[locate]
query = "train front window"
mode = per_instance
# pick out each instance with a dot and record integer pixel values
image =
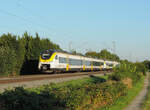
(46, 55)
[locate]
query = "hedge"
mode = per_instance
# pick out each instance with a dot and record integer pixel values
(19, 54)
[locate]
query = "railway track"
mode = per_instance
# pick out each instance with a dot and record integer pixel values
(30, 81)
(26, 78)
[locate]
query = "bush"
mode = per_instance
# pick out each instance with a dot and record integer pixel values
(51, 97)
(140, 67)
(147, 64)
(128, 70)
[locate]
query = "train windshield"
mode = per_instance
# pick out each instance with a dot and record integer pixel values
(46, 55)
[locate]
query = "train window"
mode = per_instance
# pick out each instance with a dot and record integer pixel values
(97, 63)
(81, 62)
(101, 63)
(109, 64)
(56, 57)
(87, 63)
(46, 54)
(62, 60)
(75, 62)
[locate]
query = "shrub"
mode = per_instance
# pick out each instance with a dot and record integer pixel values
(61, 98)
(140, 67)
(128, 70)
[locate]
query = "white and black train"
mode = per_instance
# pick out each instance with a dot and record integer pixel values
(60, 61)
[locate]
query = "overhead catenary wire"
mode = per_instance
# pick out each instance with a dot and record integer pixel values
(42, 25)
(42, 19)
(23, 19)
(16, 16)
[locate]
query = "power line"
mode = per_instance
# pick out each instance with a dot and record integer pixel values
(52, 32)
(38, 16)
(28, 10)
(21, 18)
(14, 15)
(24, 19)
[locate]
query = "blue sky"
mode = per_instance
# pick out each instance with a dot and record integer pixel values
(85, 24)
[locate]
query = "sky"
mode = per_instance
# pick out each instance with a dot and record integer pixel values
(120, 26)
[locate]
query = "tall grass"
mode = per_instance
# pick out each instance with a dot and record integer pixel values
(123, 101)
(127, 70)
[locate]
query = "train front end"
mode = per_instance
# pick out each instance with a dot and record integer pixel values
(45, 60)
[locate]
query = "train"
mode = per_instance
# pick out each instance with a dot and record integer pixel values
(54, 61)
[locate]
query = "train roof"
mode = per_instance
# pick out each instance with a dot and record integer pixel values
(65, 52)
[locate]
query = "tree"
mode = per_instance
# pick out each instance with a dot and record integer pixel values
(147, 64)
(92, 54)
(33, 47)
(8, 61)
(103, 54)
(9, 50)
(21, 54)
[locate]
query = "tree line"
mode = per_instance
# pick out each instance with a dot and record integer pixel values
(106, 55)
(103, 54)
(20, 54)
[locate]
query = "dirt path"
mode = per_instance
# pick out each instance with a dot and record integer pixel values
(136, 103)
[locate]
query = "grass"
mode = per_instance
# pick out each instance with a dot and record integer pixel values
(146, 102)
(83, 81)
(123, 101)
(76, 82)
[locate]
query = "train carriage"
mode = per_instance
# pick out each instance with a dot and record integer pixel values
(59, 61)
